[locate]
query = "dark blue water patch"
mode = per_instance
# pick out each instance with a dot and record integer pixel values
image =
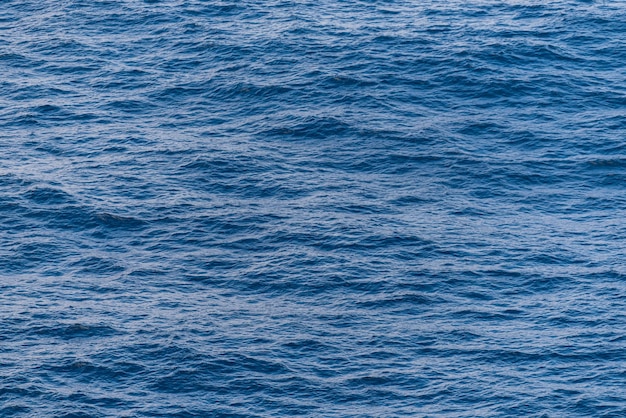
(77, 330)
(47, 196)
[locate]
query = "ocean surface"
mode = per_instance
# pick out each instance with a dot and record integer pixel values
(312, 208)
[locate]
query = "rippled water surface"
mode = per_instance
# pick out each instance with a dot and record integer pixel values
(325, 209)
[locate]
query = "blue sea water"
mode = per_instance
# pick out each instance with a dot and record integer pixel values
(325, 209)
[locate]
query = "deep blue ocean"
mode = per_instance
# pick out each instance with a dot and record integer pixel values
(320, 209)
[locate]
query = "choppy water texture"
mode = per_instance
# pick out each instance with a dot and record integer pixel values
(329, 208)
